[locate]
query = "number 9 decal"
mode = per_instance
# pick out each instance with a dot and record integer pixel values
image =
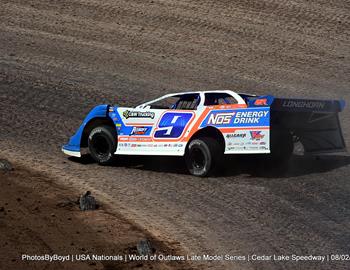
(172, 125)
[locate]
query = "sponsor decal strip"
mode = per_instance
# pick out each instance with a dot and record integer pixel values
(138, 124)
(238, 118)
(134, 138)
(304, 104)
(138, 114)
(227, 106)
(226, 130)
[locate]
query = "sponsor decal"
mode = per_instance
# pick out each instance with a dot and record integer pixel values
(138, 114)
(239, 118)
(249, 117)
(236, 135)
(260, 102)
(172, 125)
(220, 118)
(236, 148)
(303, 104)
(138, 131)
(256, 135)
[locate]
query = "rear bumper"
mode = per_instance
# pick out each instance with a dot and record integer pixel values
(71, 151)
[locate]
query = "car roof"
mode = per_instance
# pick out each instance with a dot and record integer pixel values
(232, 93)
(209, 91)
(206, 91)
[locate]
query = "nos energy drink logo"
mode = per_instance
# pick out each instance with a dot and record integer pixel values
(249, 117)
(172, 125)
(220, 118)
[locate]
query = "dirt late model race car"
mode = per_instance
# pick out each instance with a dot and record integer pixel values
(204, 126)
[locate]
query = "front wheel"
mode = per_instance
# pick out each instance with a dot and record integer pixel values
(203, 156)
(102, 144)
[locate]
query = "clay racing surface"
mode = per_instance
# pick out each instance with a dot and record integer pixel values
(58, 59)
(39, 217)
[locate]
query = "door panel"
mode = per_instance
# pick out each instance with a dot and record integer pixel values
(152, 131)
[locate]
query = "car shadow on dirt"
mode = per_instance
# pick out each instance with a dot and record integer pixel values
(232, 165)
(148, 163)
(297, 166)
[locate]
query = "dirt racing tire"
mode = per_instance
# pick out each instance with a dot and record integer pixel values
(203, 156)
(102, 143)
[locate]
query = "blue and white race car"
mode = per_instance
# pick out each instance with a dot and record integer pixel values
(204, 126)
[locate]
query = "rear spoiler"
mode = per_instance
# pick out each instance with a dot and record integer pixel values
(315, 122)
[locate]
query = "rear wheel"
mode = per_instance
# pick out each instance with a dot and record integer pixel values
(203, 156)
(102, 144)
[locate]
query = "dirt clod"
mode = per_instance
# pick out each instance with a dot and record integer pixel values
(5, 165)
(87, 202)
(144, 247)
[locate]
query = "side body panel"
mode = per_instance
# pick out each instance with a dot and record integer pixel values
(167, 132)
(152, 131)
(245, 130)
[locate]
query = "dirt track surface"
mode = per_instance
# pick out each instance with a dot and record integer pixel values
(58, 59)
(38, 217)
